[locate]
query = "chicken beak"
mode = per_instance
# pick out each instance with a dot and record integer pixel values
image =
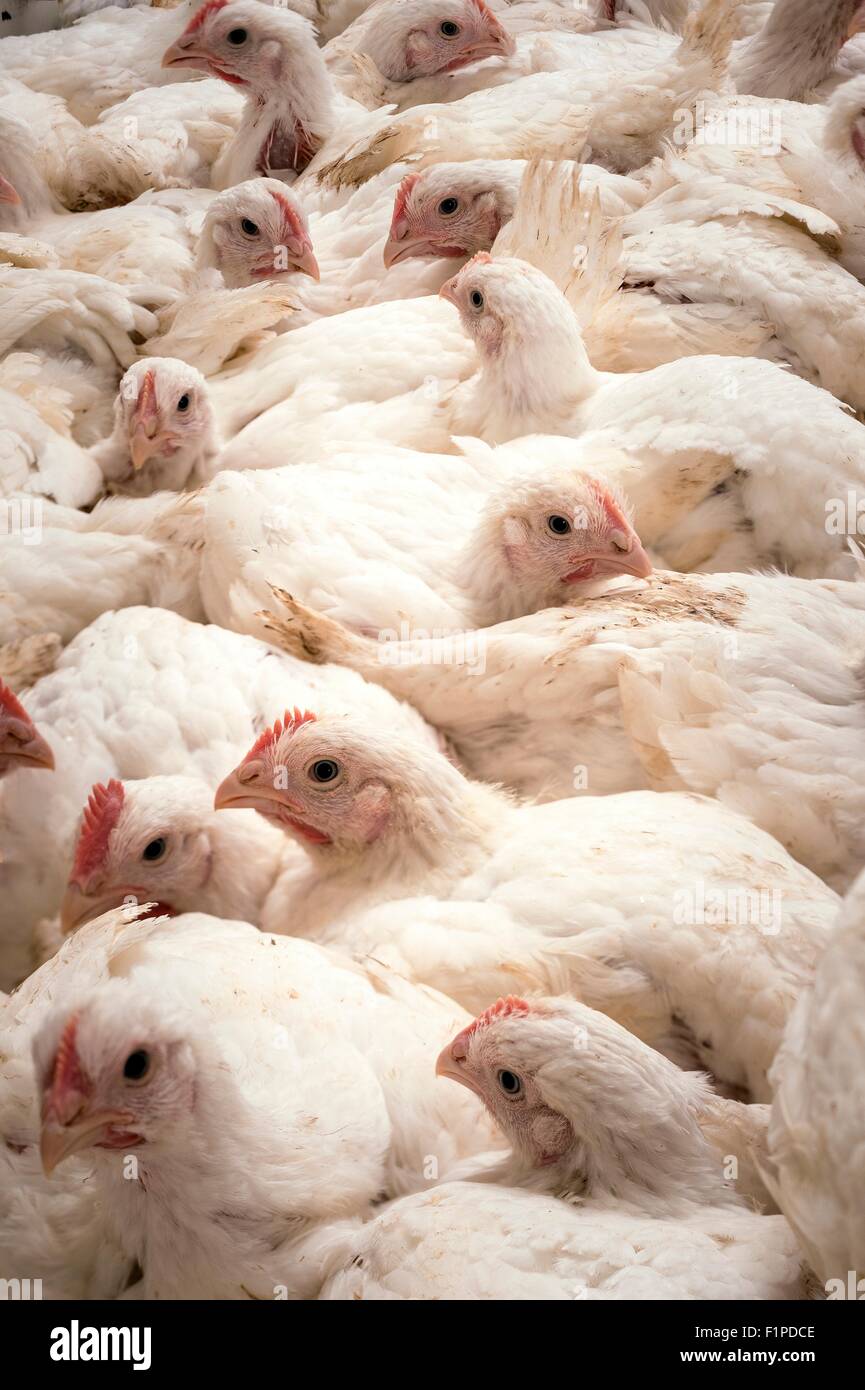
(8, 191)
(497, 44)
(60, 1141)
(626, 555)
(448, 291)
(593, 565)
(619, 551)
(636, 561)
(302, 257)
(297, 243)
(505, 43)
(404, 248)
(497, 35)
(34, 753)
(307, 264)
(187, 53)
(141, 448)
(448, 1066)
(184, 53)
(234, 795)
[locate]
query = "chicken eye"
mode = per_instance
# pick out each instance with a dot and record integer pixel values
(559, 525)
(247, 225)
(237, 37)
(448, 206)
(137, 1065)
(324, 770)
(183, 403)
(449, 29)
(510, 1083)
(155, 850)
(476, 299)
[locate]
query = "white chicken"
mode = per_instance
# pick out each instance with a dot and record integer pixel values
(455, 210)
(743, 687)
(164, 433)
(197, 695)
(564, 217)
(541, 47)
(455, 867)
(210, 1039)
(160, 840)
(130, 243)
(612, 1190)
(527, 1246)
(160, 138)
(188, 240)
(468, 562)
(84, 167)
(176, 133)
(53, 1227)
(779, 434)
(704, 242)
(408, 40)
(271, 53)
(551, 113)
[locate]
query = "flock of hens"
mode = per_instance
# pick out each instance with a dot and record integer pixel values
(432, 640)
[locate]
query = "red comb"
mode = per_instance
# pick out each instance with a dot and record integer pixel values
(204, 13)
(512, 1007)
(67, 1075)
(10, 702)
(289, 724)
(402, 196)
(101, 814)
(146, 402)
(480, 258)
(612, 510)
(288, 208)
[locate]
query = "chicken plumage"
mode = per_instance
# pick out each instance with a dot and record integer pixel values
(815, 1132)
(209, 1003)
(773, 430)
(711, 683)
(612, 1189)
(456, 870)
(200, 693)
(432, 500)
